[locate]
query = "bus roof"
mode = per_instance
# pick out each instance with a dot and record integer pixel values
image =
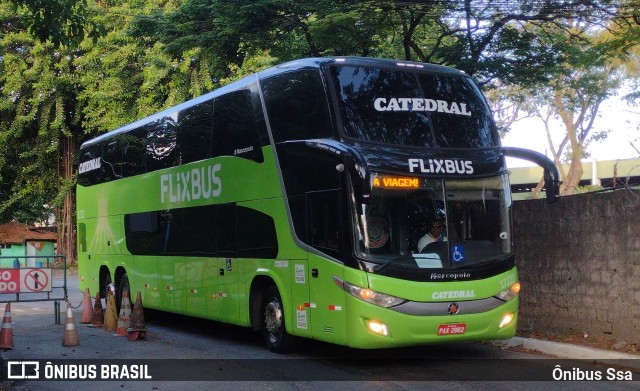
(319, 62)
(305, 63)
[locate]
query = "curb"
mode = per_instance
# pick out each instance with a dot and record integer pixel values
(570, 351)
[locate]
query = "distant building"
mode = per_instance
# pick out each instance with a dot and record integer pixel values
(19, 240)
(605, 174)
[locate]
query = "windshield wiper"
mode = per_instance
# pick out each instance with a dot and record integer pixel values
(377, 268)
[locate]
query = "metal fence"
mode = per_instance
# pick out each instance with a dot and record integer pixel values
(34, 278)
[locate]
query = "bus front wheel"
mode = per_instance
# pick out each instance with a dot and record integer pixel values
(274, 332)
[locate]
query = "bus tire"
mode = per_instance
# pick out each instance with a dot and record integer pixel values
(123, 287)
(274, 331)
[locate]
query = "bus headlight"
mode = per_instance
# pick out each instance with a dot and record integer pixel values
(506, 320)
(510, 293)
(373, 297)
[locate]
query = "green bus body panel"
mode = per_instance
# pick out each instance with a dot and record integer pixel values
(240, 180)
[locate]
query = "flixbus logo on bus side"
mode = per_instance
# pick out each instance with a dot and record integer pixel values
(441, 166)
(193, 184)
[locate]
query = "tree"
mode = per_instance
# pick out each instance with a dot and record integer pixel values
(594, 63)
(60, 22)
(38, 119)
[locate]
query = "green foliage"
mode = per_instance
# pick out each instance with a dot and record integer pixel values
(61, 22)
(72, 69)
(37, 108)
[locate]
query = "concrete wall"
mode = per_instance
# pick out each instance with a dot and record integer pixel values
(579, 262)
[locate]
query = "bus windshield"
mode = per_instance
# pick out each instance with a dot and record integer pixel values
(408, 107)
(426, 223)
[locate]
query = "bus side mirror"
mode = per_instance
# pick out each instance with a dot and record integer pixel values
(551, 175)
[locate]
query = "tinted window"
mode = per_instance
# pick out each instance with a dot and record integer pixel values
(256, 234)
(194, 132)
(412, 108)
(325, 221)
(192, 231)
(224, 230)
(145, 233)
(134, 157)
(237, 128)
(297, 106)
(112, 157)
(235, 132)
(90, 169)
(161, 143)
(314, 191)
(226, 233)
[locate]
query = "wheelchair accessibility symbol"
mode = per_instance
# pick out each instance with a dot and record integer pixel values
(457, 254)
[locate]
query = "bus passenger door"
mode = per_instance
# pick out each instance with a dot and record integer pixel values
(327, 239)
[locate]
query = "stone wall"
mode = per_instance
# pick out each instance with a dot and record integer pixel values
(579, 264)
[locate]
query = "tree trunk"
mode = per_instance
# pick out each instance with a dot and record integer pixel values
(65, 218)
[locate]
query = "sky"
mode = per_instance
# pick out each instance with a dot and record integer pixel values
(622, 120)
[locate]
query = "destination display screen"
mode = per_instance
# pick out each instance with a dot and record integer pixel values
(396, 182)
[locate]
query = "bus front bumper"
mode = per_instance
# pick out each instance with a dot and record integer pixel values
(372, 327)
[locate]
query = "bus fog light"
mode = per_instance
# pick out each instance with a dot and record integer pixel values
(377, 327)
(506, 320)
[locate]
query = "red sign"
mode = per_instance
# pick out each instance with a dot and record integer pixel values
(9, 281)
(451, 329)
(26, 280)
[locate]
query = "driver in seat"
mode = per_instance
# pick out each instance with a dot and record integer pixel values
(435, 233)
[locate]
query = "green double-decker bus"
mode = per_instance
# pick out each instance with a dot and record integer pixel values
(297, 201)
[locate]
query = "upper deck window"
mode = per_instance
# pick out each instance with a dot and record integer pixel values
(297, 106)
(412, 108)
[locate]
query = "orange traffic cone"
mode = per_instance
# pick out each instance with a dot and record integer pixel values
(138, 330)
(110, 315)
(87, 309)
(97, 319)
(6, 335)
(124, 321)
(70, 337)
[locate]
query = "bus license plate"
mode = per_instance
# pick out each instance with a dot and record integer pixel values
(450, 329)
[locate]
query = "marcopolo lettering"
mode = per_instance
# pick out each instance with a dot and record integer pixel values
(190, 185)
(420, 104)
(89, 165)
(441, 166)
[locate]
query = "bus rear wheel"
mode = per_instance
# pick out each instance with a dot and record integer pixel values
(274, 332)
